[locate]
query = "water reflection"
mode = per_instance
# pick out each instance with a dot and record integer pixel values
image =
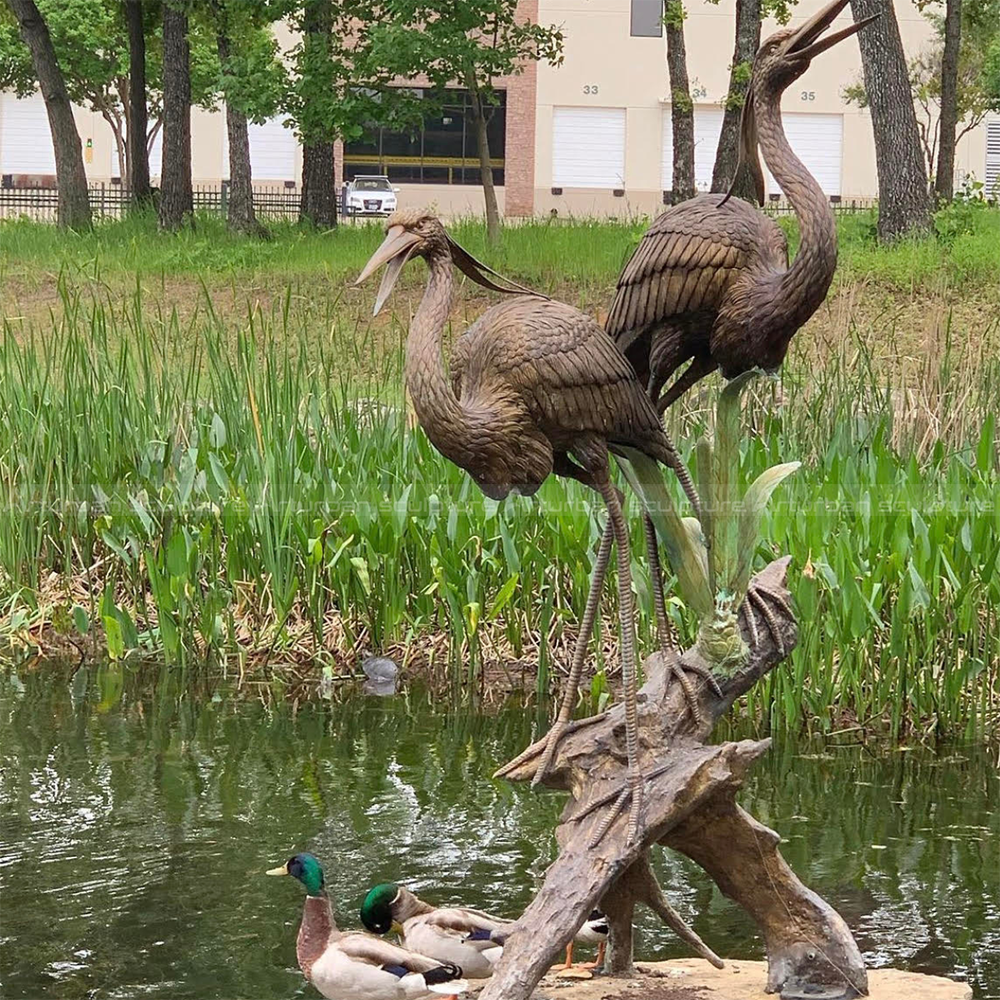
(137, 819)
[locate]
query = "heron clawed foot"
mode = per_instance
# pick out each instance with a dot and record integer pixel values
(631, 793)
(757, 601)
(680, 670)
(545, 748)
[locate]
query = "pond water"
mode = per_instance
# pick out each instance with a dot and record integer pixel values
(137, 822)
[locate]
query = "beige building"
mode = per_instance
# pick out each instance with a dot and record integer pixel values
(589, 137)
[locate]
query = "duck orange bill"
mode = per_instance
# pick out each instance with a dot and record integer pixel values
(805, 41)
(394, 252)
(280, 870)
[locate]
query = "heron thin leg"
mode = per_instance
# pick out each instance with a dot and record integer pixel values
(633, 788)
(547, 745)
(677, 668)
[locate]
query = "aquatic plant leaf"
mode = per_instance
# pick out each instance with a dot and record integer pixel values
(361, 568)
(751, 510)
(921, 598)
(503, 596)
(724, 550)
(81, 620)
(706, 491)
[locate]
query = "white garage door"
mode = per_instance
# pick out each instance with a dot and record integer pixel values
(818, 141)
(588, 147)
(707, 129)
(992, 174)
(25, 138)
(272, 151)
(156, 155)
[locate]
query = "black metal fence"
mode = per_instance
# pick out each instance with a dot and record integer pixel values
(277, 202)
(781, 206)
(111, 200)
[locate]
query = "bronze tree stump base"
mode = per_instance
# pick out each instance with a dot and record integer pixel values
(689, 805)
(696, 979)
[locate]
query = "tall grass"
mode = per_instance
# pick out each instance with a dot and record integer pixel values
(253, 490)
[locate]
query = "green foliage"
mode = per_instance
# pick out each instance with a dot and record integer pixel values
(978, 92)
(780, 10)
(674, 13)
(91, 43)
(966, 214)
(468, 43)
(247, 479)
(255, 79)
(681, 100)
(740, 80)
(343, 80)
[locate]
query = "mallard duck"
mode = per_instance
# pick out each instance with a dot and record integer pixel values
(355, 965)
(468, 938)
(593, 931)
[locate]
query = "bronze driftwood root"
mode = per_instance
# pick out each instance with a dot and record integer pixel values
(689, 804)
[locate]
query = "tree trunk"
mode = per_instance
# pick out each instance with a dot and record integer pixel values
(944, 179)
(904, 202)
(240, 215)
(727, 155)
(74, 200)
(121, 145)
(176, 197)
(137, 156)
(681, 106)
(485, 169)
(689, 805)
(318, 205)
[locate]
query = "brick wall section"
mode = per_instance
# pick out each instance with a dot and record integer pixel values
(519, 166)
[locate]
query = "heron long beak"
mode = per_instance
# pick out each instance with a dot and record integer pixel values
(280, 870)
(805, 41)
(395, 252)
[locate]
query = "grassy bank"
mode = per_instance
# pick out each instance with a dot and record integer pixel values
(205, 451)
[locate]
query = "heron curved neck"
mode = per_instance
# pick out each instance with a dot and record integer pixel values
(805, 284)
(438, 411)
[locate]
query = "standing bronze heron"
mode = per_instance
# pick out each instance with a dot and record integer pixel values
(535, 387)
(710, 281)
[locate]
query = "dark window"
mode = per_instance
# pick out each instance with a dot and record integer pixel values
(647, 18)
(443, 151)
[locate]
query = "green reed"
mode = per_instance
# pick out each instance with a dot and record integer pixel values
(205, 487)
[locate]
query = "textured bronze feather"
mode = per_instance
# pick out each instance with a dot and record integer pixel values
(710, 279)
(536, 387)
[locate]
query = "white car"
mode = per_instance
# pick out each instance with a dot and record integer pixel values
(371, 195)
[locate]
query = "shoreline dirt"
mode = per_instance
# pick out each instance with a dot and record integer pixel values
(695, 979)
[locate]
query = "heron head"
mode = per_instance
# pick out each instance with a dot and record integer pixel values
(414, 232)
(409, 232)
(779, 62)
(786, 55)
